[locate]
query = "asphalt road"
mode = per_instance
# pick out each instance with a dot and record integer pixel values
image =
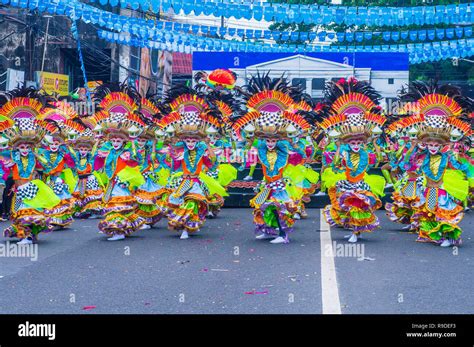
(224, 269)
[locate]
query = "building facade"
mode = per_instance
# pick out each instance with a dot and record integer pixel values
(386, 72)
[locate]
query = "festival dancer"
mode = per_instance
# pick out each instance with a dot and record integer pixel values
(150, 193)
(190, 154)
(31, 196)
(463, 151)
(271, 117)
(219, 90)
(440, 208)
(88, 192)
(58, 163)
(409, 185)
(222, 172)
(300, 171)
(120, 124)
(354, 122)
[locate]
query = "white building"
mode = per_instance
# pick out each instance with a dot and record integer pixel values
(387, 74)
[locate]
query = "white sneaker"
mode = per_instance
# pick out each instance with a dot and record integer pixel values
(264, 236)
(25, 241)
(145, 226)
(116, 237)
(248, 178)
(389, 185)
(320, 193)
(210, 214)
(279, 239)
(297, 216)
(353, 238)
(407, 227)
(446, 243)
(184, 235)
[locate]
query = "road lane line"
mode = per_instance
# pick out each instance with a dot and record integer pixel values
(329, 292)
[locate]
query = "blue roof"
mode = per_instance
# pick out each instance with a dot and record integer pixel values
(378, 61)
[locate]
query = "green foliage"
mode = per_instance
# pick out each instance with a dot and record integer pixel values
(443, 70)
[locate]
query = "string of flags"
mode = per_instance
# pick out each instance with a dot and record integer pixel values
(310, 13)
(185, 38)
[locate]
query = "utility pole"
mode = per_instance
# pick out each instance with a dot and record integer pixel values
(45, 41)
(30, 38)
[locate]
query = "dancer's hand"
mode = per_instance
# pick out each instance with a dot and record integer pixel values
(102, 154)
(8, 163)
(125, 155)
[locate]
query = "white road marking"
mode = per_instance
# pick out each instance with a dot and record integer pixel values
(330, 291)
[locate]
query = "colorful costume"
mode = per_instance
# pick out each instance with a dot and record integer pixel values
(58, 163)
(149, 195)
(24, 132)
(272, 116)
(409, 185)
(120, 171)
(301, 173)
(439, 209)
(88, 192)
(353, 120)
(188, 119)
(218, 88)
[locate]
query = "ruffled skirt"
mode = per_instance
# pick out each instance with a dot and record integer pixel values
(438, 216)
(61, 214)
(119, 209)
(28, 217)
(273, 209)
(188, 206)
(149, 198)
(401, 209)
(353, 207)
(87, 196)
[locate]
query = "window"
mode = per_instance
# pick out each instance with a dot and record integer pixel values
(299, 82)
(317, 83)
(391, 81)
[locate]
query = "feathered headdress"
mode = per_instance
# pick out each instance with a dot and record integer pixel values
(353, 110)
(80, 133)
(124, 125)
(117, 97)
(148, 109)
(187, 107)
(118, 114)
(22, 107)
(443, 109)
(150, 114)
(218, 89)
(18, 116)
(404, 126)
(24, 130)
(59, 114)
(273, 107)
